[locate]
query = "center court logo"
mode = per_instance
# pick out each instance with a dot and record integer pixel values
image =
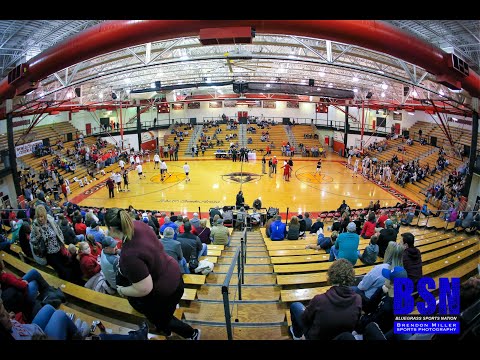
(241, 177)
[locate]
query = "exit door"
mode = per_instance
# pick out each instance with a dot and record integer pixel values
(242, 117)
(88, 128)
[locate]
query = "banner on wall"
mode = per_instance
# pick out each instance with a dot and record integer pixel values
(193, 105)
(230, 103)
(177, 106)
(25, 149)
(293, 104)
(269, 104)
(214, 104)
(397, 117)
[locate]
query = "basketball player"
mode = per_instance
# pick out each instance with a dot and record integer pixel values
(163, 169)
(132, 160)
(118, 180)
(125, 180)
(121, 163)
(355, 167)
(156, 159)
(319, 166)
(140, 171)
(137, 160)
(186, 168)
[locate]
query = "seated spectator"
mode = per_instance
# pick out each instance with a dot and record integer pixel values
(385, 236)
(88, 262)
(20, 294)
(308, 222)
(369, 227)
(326, 316)
(69, 233)
(293, 229)
(412, 258)
(204, 232)
(96, 232)
(277, 229)
(220, 234)
(317, 225)
(370, 253)
(346, 246)
(382, 312)
(174, 249)
(324, 242)
(374, 280)
(407, 220)
(109, 261)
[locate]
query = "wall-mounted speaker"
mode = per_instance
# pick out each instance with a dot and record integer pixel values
(406, 89)
(311, 82)
(78, 92)
(369, 95)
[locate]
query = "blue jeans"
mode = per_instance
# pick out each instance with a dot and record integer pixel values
(184, 266)
(296, 311)
(204, 250)
(55, 323)
(333, 254)
(35, 283)
(5, 244)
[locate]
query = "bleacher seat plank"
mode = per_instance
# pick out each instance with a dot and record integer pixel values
(299, 259)
(212, 259)
(299, 279)
(214, 252)
(301, 294)
(290, 295)
(310, 267)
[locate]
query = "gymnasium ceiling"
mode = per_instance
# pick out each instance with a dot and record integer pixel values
(274, 58)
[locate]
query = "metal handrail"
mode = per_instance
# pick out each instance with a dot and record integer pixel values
(238, 258)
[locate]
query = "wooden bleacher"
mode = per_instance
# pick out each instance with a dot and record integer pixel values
(438, 253)
(277, 135)
(298, 132)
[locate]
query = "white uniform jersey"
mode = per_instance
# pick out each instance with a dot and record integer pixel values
(355, 166)
(139, 168)
(137, 159)
(121, 163)
(156, 158)
(186, 168)
(132, 159)
(163, 166)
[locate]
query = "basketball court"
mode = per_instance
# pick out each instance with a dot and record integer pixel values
(216, 182)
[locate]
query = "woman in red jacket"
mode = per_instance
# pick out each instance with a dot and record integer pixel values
(369, 226)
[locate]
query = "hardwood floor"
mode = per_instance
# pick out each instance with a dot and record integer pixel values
(216, 182)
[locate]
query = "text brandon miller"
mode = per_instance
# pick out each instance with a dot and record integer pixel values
(426, 318)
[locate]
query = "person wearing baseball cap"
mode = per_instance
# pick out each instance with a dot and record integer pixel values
(383, 314)
(346, 246)
(109, 261)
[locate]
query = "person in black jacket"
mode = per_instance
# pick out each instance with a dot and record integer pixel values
(386, 235)
(68, 232)
(329, 314)
(240, 200)
(412, 258)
